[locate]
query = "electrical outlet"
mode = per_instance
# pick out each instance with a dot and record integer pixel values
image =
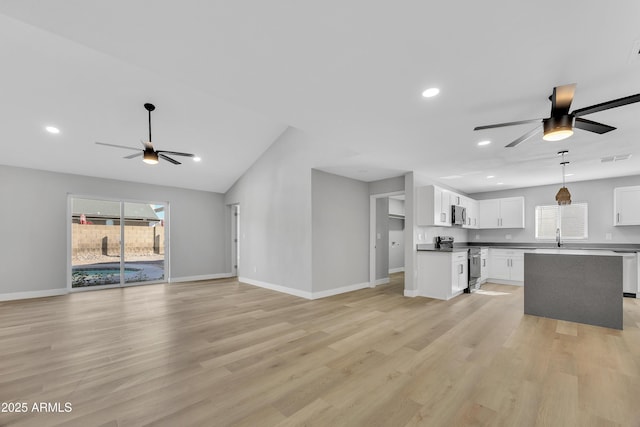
(507, 236)
(477, 237)
(420, 237)
(255, 269)
(607, 236)
(379, 236)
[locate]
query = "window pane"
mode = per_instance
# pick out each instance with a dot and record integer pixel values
(546, 222)
(574, 221)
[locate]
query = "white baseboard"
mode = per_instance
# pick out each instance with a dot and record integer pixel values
(342, 290)
(202, 277)
(411, 293)
(382, 281)
(278, 288)
(505, 282)
(33, 294)
(396, 270)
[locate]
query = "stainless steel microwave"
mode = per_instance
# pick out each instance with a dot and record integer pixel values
(458, 215)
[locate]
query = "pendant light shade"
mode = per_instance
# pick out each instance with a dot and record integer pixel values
(563, 197)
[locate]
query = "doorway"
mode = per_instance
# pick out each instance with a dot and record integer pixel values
(116, 243)
(385, 242)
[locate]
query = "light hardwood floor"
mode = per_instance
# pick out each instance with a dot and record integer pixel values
(223, 353)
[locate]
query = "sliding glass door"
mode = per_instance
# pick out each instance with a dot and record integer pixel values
(116, 243)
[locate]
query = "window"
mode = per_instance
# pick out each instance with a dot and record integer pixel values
(572, 220)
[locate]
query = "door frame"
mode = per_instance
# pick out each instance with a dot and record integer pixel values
(122, 284)
(234, 228)
(372, 232)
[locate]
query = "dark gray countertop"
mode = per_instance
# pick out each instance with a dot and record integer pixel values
(616, 247)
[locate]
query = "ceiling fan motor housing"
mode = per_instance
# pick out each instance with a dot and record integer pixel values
(557, 125)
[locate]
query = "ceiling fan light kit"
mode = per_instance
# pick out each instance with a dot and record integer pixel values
(559, 125)
(150, 155)
(557, 128)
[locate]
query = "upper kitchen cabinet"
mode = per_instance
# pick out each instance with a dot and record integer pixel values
(501, 213)
(626, 206)
(471, 207)
(433, 206)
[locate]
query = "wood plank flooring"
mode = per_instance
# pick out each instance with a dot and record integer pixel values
(219, 353)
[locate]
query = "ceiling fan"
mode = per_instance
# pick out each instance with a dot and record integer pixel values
(148, 153)
(561, 122)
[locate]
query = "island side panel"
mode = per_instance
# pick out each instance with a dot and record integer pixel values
(578, 288)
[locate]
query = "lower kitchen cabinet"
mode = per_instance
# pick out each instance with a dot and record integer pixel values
(484, 265)
(506, 265)
(442, 275)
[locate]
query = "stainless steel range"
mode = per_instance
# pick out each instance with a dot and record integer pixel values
(474, 270)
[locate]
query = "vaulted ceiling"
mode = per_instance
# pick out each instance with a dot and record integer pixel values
(228, 77)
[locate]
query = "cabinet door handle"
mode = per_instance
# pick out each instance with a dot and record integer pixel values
(442, 217)
(618, 218)
(484, 262)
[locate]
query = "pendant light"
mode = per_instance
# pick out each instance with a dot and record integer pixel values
(563, 197)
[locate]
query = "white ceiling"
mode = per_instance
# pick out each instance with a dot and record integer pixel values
(229, 77)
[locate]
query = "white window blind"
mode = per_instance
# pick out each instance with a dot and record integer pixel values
(572, 220)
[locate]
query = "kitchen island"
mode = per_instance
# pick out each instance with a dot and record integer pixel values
(583, 286)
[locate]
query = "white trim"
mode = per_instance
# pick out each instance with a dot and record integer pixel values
(411, 293)
(342, 290)
(202, 277)
(505, 282)
(382, 281)
(396, 270)
(33, 294)
(277, 288)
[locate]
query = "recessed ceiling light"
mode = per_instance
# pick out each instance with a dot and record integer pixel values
(569, 174)
(500, 183)
(485, 142)
(432, 91)
(490, 176)
(196, 159)
(52, 129)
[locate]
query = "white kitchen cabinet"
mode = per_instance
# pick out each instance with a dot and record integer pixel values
(484, 265)
(506, 265)
(501, 213)
(472, 212)
(630, 273)
(626, 206)
(442, 275)
(433, 206)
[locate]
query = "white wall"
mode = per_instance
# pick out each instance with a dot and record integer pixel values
(597, 193)
(33, 226)
(340, 220)
(275, 216)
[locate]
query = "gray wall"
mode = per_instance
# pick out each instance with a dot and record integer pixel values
(275, 214)
(34, 221)
(382, 238)
(388, 185)
(340, 221)
(598, 194)
(396, 234)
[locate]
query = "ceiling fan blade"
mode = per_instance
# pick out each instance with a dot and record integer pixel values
(169, 159)
(561, 99)
(591, 126)
(117, 146)
(176, 153)
(499, 125)
(133, 156)
(607, 105)
(524, 137)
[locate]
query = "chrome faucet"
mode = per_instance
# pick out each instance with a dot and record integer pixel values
(558, 237)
